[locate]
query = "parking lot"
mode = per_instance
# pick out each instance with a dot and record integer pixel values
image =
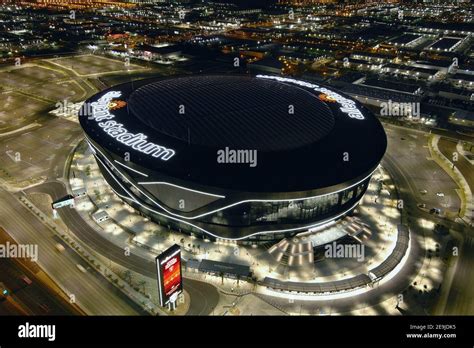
(17, 108)
(27, 75)
(93, 65)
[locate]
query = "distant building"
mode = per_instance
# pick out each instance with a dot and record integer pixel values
(462, 118)
(359, 64)
(100, 216)
(406, 40)
(76, 3)
(267, 65)
(462, 80)
(162, 53)
(418, 72)
(440, 65)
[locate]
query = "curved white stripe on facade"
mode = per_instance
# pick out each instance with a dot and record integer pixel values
(233, 204)
(181, 187)
(208, 232)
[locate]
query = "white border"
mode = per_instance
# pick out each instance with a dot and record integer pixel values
(133, 170)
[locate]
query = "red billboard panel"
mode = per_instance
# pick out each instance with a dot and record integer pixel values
(170, 283)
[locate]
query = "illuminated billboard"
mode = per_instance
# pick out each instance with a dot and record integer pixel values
(170, 283)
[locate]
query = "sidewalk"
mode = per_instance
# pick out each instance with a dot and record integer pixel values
(89, 256)
(127, 228)
(465, 193)
(464, 153)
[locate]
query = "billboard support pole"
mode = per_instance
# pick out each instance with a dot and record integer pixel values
(172, 306)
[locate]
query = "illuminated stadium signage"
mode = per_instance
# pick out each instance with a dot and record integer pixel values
(101, 114)
(347, 106)
(170, 283)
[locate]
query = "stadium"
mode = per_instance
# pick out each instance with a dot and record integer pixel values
(234, 157)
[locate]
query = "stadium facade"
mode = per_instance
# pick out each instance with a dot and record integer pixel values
(234, 157)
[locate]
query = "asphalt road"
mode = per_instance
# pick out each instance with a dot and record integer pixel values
(408, 151)
(35, 298)
(407, 162)
(44, 151)
(447, 148)
(93, 294)
(409, 181)
(461, 299)
(48, 147)
(204, 297)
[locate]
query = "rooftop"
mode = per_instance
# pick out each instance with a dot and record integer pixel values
(238, 112)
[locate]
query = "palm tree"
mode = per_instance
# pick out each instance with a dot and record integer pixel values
(128, 276)
(142, 283)
(254, 282)
(221, 274)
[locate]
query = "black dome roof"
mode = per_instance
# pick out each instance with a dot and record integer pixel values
(235, 111)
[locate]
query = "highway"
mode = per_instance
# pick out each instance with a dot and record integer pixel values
(45, 151)
(93, 293)
(204, 297)
(35, 298)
